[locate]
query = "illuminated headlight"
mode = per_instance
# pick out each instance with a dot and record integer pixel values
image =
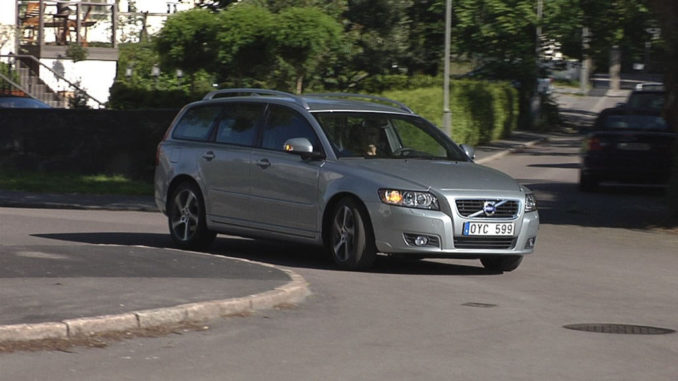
(409, 199)
(530, 203)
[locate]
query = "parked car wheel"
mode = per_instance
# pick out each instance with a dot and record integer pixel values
(186, 218)
(350, 240)
(502, 263)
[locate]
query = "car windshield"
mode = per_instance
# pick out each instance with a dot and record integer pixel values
(649, 100)
(386, 136)
(634, 122)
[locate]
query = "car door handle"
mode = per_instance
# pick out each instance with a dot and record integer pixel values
(264, 163)
(209, 156)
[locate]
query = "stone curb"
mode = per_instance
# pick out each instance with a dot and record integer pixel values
(291, 293)
(511, 150)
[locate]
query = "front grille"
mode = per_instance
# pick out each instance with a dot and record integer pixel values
(468, 208)
(498, 243)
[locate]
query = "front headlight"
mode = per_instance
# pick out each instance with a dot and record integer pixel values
(409, 199)
(530, 203)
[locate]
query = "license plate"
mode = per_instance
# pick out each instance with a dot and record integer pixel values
(488, 228)
(633, 146)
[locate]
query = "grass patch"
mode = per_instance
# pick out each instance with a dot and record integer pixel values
(72, 183)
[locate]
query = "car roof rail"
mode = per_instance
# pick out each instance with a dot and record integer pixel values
(257, 92)
(372, 98)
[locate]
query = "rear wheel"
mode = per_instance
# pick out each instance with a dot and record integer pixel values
(350, 240)
(186, 218)
(502, 263)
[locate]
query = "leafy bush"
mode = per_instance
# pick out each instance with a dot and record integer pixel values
(481, 111)
(381, 83)
(7, 71)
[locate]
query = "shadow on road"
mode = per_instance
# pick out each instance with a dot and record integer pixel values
(613, 207)
(276, 253)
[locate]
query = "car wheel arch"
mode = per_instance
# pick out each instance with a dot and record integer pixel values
(331, 205)
(177, 181)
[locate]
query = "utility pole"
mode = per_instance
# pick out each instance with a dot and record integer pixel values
(447, 113)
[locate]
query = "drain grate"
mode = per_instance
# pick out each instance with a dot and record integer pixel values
(622, 329)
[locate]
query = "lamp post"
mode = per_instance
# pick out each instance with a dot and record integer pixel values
(447, 113)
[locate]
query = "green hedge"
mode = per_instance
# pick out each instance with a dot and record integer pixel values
(481, 111)
(387, 82)
(124, 97)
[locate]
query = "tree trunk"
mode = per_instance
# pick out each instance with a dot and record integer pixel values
(615, 68)
(585, 71)
(300, 83)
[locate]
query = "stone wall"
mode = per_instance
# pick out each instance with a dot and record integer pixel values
(82, 141)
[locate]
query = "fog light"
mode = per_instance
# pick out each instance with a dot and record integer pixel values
(530, 243)
(421, 240)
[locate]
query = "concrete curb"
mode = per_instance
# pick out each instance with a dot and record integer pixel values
(291, 293)
(511, 150)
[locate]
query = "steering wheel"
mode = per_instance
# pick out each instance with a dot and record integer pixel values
(404, 151)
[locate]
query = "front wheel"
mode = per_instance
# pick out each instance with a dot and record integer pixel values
(502, 263)
(186, 218)
(350, 240)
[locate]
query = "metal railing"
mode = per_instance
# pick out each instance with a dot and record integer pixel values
(35, 87)
(35, 17)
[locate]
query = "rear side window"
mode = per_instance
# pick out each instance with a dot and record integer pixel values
(283, 124)
(237, 124)
(196, 123)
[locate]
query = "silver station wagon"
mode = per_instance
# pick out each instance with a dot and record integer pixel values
(360, 175)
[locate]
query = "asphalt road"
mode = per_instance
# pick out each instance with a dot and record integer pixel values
(599, 260)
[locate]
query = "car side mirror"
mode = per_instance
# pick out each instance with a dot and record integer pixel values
(303, 147)
(469, 151)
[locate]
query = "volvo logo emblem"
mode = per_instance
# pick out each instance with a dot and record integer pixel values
(489, 208)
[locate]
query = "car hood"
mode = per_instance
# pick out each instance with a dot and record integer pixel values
(441, 175)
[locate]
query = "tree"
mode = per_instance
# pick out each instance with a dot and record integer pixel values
(306, 37)
(188, 41)
(215, 5)
(246, 45)
(380, 29)
(426, 42)
(621, 23)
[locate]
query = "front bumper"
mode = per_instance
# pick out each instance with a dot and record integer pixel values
(395, 227)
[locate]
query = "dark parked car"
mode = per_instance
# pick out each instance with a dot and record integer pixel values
(646, 99)
(632, 146)
(21, 102)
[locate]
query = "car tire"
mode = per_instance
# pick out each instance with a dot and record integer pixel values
(186, 218)
(587, 183)
(350, 240)
(502, 263)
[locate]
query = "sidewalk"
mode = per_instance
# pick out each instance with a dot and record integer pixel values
(17, 199)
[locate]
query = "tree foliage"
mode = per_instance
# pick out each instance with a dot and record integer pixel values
(246, 45)
(188, 41)
(621, 23)
(305, 38)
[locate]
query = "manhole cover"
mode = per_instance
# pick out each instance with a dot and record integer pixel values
(623, 329)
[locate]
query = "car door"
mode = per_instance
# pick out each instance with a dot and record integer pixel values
(226, 163)
(285, 186)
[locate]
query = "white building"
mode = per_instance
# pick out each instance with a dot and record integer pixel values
(43, 36)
